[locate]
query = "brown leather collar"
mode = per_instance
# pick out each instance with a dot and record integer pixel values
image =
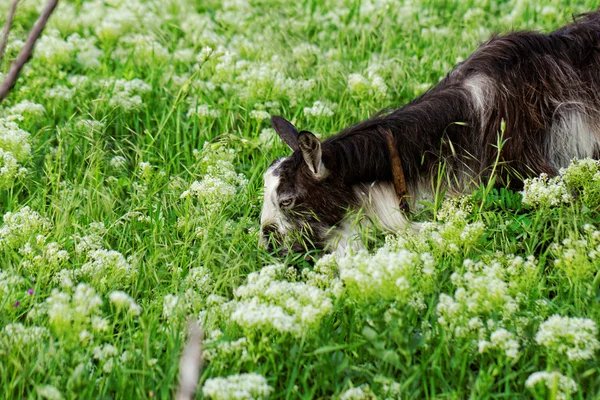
(397, 172)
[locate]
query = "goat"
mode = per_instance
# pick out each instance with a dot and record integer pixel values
(540, 92)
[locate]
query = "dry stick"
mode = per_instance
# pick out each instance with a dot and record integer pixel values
(9, 20)
(27, 50)
(397, 172)
(191, 363)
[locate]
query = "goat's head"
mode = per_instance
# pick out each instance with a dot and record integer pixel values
(305, 197)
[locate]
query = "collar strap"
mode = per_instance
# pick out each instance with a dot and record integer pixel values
(397, 172)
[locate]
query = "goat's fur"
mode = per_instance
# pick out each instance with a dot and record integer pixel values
(538, 94)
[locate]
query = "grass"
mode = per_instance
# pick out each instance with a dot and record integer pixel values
(106, 172)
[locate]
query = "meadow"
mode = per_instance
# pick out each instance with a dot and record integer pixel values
(131, 158)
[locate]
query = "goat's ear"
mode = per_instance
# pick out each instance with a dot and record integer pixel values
(310, 146)
(286, 131)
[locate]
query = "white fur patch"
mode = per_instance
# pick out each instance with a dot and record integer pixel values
(380, 206)
(271, 213)
(482, 90)
(572, 135)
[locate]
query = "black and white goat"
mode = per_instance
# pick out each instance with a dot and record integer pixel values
(541, 90)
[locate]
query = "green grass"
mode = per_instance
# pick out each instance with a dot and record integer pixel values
(159, 246)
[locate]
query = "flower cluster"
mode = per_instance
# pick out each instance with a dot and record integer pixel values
(60, 92)
(18, 335)
(373, 84)
(142, 48)
(455, 209)
(172, 305)
(49, 392)
(25, 109)
(389, 388)
(123, 301)
(571, 337)
(358, 393)
(107, 269)
(578, 257)
(93, 240)
(126, 94)
(217, 348)
(21, 226)
(483, 306)
(15, 150)
(502, 340)
(40, 256)
(269, 302)
(220, 182)
(583, 178)
(320, 109)
(203, 112)
(562, 387)
(237, 387)
(76, 313)
(544, 192)
(453, 236)
(392, 275)
(106, 355)
(199, 279)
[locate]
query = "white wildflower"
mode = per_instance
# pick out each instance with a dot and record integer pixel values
(320, 109)
(267, 137)
(562, 386)
(52, 50)
(357, 83)
(199, 279)
(358, 393)
(25, 108)
(268, 301)
(64, 278)
(49, 392)
(18, 335)
(545, 192)
(237, 387)
(126, 93)
(220, 182)
(90, 125)
(503, 340)
(20, 226)
(14, 140)
(143, 49)
(123, 301)
(99, 324)
(118, 162)
(106, 354)
(171, 305)
(203, 112)
(60, 92)
(386, 274)
(571, 337)
(259, 115)
(107, 266)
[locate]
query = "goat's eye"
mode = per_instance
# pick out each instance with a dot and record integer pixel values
(286, 203)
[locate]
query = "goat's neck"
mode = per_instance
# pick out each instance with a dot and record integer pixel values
(418, 128)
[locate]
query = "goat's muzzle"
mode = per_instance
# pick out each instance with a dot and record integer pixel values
(270, 237)
(272, 240)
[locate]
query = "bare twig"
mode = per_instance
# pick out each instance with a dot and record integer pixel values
(191, 363)
(27, 50)
(397, 172)
(7, 25)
